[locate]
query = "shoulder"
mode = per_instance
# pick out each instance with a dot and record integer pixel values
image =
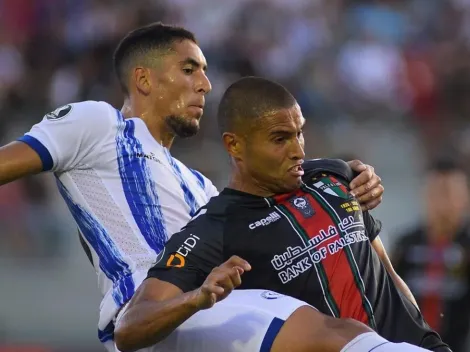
(210, 216)
(93, 105)
(202, 179)
(335, 167)
(86, 112)
(90, 109)
(204, 182)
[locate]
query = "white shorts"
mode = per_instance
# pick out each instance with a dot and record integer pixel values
(246, 321)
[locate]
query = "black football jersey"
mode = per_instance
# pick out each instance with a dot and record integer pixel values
(313, 244)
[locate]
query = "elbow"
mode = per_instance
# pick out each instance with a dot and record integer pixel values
(131, 339)
(122, 339)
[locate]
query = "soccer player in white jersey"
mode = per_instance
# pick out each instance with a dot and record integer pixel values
(114, 170)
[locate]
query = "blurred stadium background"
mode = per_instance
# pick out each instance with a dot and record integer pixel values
(386, 81)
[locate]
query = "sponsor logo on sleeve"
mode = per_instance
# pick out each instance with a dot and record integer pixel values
(178, 259)
(59, 113)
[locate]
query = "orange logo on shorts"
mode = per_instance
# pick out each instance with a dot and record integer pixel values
(179, 264)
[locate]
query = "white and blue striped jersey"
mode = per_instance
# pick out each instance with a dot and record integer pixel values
(124, 190)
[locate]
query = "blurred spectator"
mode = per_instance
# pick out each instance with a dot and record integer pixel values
(434, 258)
(373, 71)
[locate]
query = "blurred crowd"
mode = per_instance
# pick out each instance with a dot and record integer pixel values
(350, 63)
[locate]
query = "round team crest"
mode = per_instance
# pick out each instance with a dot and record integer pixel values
(59, 113)
(300, 203)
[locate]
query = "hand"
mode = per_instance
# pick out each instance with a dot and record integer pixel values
(367, 187)
(221, 282)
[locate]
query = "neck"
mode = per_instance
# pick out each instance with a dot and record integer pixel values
(155, 123)
(239, 182)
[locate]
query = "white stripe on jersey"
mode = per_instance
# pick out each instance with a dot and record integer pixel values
(125, 191)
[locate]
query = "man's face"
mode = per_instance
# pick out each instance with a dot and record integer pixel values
(274, 150)
(446, 196)
(180, 84)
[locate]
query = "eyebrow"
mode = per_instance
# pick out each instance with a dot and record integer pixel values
(193, 62)
(284, 130)
(281, 131)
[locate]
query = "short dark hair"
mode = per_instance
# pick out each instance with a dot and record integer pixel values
(141, 41)
(250, 98)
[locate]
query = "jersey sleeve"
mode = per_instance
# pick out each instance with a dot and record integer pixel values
(190, 255)
(70, 135)
(335, 167)
(209, 188)
(373, 226)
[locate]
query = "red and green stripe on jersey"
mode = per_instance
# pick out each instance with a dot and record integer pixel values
(337, 273)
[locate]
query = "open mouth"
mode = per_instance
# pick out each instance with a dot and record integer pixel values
(296, 170)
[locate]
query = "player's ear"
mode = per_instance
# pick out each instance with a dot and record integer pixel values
(233, 144)
(142, 80)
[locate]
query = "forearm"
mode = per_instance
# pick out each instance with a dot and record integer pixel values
(403, 287)
(11, 169)
(16, 161)
(149, 322)
(397, 280)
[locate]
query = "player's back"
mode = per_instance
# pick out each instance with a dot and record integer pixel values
(124, 190)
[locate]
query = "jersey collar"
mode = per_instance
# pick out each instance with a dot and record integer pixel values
(248, 199)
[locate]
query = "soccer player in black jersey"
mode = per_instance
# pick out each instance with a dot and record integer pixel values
(297, 228)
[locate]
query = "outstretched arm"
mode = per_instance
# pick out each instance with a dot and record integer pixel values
(159, 307)
(402, 286)
(156, 309)
(63, 139)
(373, 228)
(17, 160)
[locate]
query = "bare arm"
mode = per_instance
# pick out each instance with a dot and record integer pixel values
(17, 160)
(157, 308)
(382, 253)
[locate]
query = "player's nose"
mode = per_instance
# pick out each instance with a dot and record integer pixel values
(297, 151)
(203, 84)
